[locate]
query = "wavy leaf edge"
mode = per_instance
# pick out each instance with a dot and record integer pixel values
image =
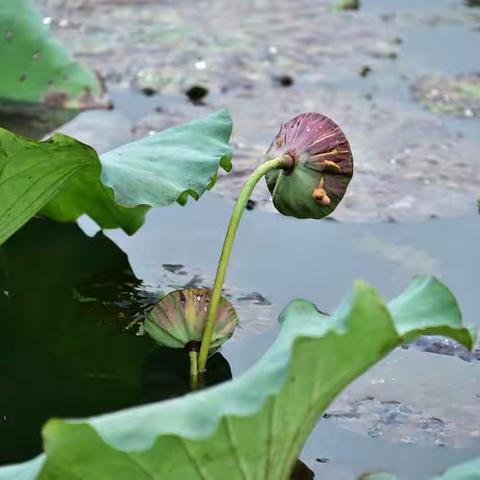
(200, 420)
(63, 178)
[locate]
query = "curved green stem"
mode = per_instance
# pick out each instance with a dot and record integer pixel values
(276, 163)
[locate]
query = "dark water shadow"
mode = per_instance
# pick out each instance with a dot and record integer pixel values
(34, 122)
(65, 351)
(301, 472)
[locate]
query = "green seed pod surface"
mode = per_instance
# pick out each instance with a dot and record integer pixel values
(322, 166)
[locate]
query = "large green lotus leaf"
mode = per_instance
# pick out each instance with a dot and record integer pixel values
(171, 165)
(252, 427)
(59, 178)
(465, 471)
(62, 177)
(425, 304)
(36, 69)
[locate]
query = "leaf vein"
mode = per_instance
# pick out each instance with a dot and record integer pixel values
(193, 459)
(235, 449)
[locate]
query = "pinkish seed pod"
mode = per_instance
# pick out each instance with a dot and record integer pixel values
(179, 318)
(322, 167)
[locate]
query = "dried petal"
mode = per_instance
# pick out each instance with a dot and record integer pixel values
(179, 318)
(323, 167)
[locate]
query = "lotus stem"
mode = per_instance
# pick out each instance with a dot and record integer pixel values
(276, 163)
(193, 355)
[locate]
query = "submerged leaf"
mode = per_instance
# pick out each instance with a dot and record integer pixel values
(35, 67)
(62, 177)
(347, 5)
(178, 319)
(252, 427)
(323, 167)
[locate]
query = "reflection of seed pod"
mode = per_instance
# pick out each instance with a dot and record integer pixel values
(322, 166)
(179, 318)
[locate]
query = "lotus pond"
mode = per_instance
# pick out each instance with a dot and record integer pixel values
(345, 382)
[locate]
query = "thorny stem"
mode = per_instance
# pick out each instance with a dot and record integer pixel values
(284, 162)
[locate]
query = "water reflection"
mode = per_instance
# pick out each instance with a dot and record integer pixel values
(301, 472)
(167, 374)
(65, 302)
(35, 122)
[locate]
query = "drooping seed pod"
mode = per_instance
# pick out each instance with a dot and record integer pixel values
(178, 319)
(322, 166)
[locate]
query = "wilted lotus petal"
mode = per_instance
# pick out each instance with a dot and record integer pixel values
(322, 166)
(178, 319)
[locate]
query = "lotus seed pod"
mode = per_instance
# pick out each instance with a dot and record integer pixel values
(322, 166)
(178, 319)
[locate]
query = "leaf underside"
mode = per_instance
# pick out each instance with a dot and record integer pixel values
(254, 426)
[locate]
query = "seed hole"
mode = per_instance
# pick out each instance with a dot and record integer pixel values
(23, 77)
(36, 55)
